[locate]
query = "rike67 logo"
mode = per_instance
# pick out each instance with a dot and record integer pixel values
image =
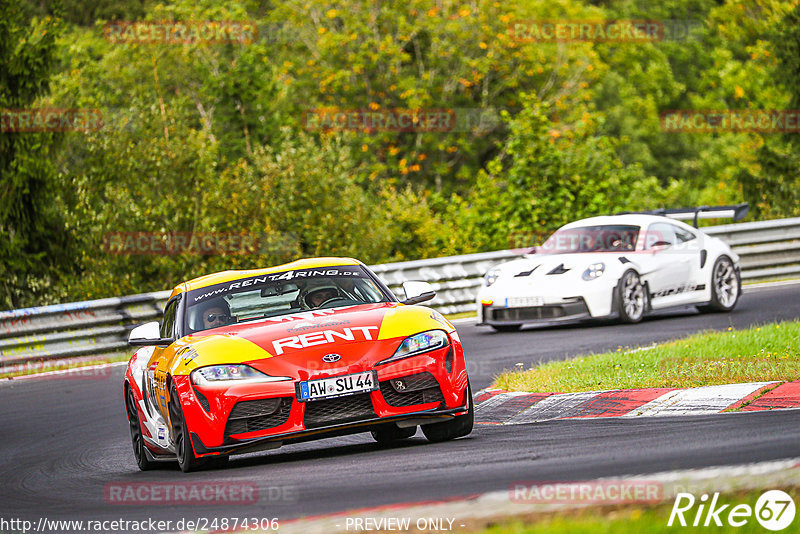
(774, 510)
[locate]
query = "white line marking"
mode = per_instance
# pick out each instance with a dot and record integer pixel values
(493, 505)
(768, 285)
(697, 401)
(71, 370)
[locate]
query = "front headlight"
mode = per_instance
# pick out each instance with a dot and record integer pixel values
(594, 271)
(418, 344)
(219, 374)
(491, 277)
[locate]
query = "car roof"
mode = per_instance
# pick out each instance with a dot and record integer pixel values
(227, 276)
(634, 219)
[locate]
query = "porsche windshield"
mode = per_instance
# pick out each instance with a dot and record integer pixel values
(274, 294)
(609, 238)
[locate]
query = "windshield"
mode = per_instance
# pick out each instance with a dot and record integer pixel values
(608, 238)
(282, 293)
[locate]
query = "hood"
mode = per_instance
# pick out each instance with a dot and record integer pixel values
(550, 267)
(285, 345)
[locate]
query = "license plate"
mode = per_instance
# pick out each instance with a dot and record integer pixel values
(524, 302)
(337, 386)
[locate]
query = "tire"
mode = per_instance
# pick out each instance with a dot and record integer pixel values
(726, 286)
(181, 437)
(632, 301)
(506, 327)
(136, 432)
(459, 426)
(391, 433)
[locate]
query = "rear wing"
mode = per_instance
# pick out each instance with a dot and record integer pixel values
(736, 212)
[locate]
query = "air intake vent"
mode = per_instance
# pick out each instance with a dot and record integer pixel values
(559, 270)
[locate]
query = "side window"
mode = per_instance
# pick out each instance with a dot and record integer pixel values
(168, 323)
(682, 234)
(659, 235)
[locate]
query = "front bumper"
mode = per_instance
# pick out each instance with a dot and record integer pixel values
(570, 309)
(243, 418)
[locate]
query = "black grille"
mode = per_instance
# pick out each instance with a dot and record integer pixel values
(569, 308)
(415, 389)
(250, 416)
(339, 410)
(527, 314)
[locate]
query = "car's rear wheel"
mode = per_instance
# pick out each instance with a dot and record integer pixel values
(631, 297)
(391, 433)
(459, 426)
(136, 432)
(506, 327)
(726, 286)
(181, 437)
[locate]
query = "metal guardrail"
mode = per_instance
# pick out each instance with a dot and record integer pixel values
(768, 249)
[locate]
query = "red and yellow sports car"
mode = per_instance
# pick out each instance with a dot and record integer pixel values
(250, 360)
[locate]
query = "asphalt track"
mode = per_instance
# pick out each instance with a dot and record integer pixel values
(64, 441)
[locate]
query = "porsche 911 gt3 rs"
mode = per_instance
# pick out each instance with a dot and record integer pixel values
(250, 360)
(619, 266)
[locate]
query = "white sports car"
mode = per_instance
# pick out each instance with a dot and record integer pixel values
(618, 266)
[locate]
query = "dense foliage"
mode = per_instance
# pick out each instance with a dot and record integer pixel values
(220, 138)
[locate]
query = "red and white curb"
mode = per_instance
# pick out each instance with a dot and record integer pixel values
(494, 406)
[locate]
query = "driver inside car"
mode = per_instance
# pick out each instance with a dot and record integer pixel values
(215, 313)
(320, 295)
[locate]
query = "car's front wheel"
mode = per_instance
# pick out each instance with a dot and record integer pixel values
(631, 297)
(181, 438)
(137, 440)
(459, 426)
(726, 286)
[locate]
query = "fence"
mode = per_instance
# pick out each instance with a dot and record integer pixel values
(768, 249)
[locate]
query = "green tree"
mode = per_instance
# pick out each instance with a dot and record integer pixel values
(773, 186)
(549, 174)
(35, 245)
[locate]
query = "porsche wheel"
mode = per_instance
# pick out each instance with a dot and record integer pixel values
(181, 437)
(631, 297)
(459, 426)
(136, 432)
(725, 286)
(391, 433)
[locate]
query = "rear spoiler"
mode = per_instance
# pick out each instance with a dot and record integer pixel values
(736, 212)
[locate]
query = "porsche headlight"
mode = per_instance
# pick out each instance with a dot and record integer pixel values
(418, 344)
(219, 374)
(491, 277)
(594, 271)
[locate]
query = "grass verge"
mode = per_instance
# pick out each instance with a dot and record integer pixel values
(633, 519)
(758, 354)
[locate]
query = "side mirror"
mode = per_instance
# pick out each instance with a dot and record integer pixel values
(417, 292)
(146, 335)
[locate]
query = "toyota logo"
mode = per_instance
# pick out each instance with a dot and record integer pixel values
(330, 358)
